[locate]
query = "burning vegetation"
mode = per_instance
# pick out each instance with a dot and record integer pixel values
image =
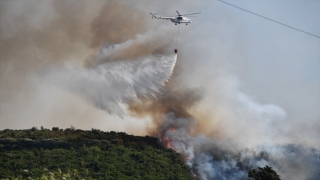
(67, 61)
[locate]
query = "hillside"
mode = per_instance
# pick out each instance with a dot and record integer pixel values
(78, 154)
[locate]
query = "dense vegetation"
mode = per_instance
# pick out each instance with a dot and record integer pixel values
(78, 154)
(265, 173)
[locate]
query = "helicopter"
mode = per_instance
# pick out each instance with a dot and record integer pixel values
(177, 19)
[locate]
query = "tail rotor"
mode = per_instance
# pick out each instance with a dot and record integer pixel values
(153, 15)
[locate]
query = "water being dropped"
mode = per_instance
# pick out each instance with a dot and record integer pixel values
(111, 85)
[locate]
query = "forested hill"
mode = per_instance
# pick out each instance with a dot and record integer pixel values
(76, 154)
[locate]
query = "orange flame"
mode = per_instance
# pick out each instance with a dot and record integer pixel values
(172, 129)
(166, 141)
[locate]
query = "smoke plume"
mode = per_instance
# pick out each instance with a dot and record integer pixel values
(68, 63)
(47, 46)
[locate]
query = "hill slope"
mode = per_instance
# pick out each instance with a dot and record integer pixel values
(78, 154)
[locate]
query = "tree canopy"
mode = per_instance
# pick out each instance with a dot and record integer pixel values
(76, 154)
(265, 173)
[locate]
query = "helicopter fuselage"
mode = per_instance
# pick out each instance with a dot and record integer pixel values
(178, 20)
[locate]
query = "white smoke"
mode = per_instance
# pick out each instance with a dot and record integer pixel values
(113, 84)
(212, 158)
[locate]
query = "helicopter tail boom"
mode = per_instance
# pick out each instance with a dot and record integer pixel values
(159, 17)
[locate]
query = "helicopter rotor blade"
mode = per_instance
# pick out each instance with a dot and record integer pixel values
(178, 13)
(190, 14)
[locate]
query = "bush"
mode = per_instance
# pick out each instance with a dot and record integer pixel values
(265, 173)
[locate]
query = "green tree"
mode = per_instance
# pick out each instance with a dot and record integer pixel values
(265, 173)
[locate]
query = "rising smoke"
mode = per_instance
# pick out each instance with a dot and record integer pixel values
(71, 62)
(64, 37)
(214, 157)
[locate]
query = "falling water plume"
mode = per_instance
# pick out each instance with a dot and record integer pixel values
(111, 85)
